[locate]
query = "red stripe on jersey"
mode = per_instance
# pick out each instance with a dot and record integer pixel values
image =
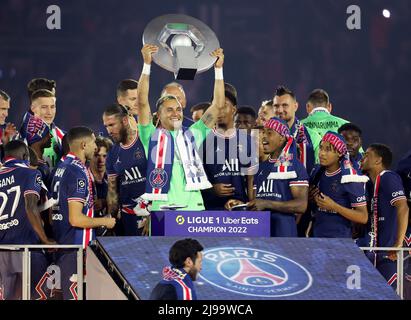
(186, 290)
(392, 279)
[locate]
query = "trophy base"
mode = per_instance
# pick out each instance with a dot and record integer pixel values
(185, 74)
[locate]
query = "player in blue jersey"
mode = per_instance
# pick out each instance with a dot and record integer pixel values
(76, 205)
(352, 135)
(56, 176)
(20, 221)
(186, 259)
(126, 96)
(233, 153)
(404, 170)
(20, 188)
(285, 106)
(281, 182)
(126, 169)
(36, 133)
(388, 213)
(337, 190)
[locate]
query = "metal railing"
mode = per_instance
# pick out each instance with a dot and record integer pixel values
(26, 265)
(400, 264)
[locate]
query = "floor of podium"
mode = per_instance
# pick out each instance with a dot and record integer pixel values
(255, 268)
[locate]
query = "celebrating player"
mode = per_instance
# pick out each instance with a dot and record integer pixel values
(226, 168)
(176, 175)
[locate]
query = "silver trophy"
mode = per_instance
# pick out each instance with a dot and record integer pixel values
(185, 44)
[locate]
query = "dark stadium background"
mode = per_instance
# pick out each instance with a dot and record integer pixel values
(303, 44)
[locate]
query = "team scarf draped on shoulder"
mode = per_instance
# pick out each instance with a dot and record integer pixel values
(10, 162)
(58, 135)
(305, 148)
(348, 173)
(33, 129)
(283, 166)
(161, 153)
(181, 281)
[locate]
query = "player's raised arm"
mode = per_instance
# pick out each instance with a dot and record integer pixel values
(144, 112)
(33, 216)
(210, 116)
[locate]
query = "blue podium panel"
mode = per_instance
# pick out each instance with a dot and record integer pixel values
(211, 223)
(256, 268)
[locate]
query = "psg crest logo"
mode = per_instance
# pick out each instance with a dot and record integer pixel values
(254, 272)
(138, 155)
(158, 178)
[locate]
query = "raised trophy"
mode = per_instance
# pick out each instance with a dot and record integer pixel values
(184, 42)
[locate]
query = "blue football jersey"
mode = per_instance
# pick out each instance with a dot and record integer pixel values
(129, 164)
(381, 230)
(404, 170)
(44, 169)
(226, 160)
(16, 181)
(282, 224)
(75, 185)
(54, 189)
(329, 224)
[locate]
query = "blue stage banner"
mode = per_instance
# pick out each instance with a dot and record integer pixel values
(217, 223)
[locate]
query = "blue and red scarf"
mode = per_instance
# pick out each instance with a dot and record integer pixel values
(284, 165)
(33, 129)
(305, 147)
(161, 153)
(348, 173)
(181, 281)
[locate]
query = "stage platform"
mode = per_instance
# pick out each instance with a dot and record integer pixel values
(241, 268)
